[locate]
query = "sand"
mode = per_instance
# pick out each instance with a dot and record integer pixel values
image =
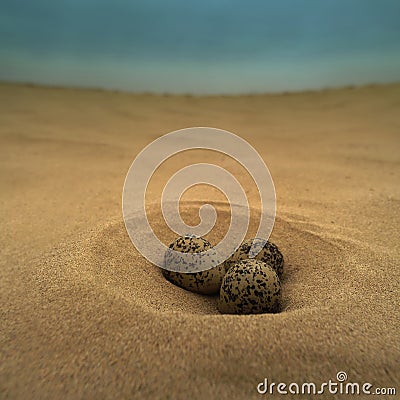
(85, 316)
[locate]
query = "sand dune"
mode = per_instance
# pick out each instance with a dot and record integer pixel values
(85, 316)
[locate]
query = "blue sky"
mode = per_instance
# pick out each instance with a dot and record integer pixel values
(209, 46)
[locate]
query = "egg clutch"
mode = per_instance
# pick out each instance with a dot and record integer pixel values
(245, 285)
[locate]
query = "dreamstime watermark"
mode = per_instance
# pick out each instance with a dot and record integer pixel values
(157, 152)
(336, 386)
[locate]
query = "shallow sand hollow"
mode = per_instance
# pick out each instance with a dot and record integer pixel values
(85, 316)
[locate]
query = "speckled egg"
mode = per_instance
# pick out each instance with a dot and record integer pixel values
(269, 253)
(205, 282)
(250, 287)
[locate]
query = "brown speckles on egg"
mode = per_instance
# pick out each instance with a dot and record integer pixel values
(205, 282)
(250, 287)
(269, 254)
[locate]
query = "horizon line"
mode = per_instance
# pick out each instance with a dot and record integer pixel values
(93, 88)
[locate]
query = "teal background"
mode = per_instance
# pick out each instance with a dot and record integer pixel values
(209, 46)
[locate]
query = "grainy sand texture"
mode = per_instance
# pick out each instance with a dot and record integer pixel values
(85, 316)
